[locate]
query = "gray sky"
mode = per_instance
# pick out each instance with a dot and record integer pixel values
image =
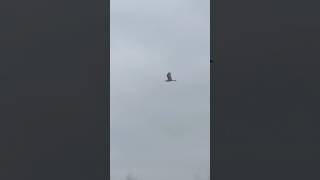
(160, 130)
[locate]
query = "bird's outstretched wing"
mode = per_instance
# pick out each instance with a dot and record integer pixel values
(169, 76)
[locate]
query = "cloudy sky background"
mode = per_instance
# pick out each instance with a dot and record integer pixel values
(160, 130)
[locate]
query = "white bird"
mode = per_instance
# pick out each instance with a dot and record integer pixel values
(169, 77)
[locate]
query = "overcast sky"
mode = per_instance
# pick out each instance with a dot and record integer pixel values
(160, 130)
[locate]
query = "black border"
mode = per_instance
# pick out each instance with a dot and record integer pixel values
(266, 90)
(54, 71)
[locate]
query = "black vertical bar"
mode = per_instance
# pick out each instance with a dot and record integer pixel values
(54, 90)
(266, 90)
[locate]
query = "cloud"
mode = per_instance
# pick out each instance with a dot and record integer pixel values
(159, 130)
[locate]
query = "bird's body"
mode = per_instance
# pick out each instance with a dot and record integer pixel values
(169, 78)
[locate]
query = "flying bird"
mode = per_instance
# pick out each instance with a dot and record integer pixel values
(169, 77)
